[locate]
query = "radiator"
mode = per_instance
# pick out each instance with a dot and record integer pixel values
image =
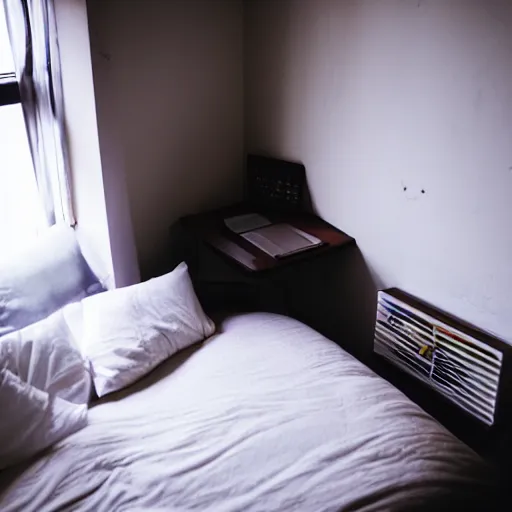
(461, 363)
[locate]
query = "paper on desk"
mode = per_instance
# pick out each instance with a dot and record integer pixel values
(248, 222)
(281, 240)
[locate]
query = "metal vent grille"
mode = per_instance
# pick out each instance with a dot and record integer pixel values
(462, 368)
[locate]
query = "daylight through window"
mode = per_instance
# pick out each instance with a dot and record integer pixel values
(21, 213)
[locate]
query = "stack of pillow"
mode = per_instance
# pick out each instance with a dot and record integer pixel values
(62, 342)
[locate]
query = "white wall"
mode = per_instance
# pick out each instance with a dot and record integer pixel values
(172, 73)
(100, 197)
(376, 97)
(85, 160)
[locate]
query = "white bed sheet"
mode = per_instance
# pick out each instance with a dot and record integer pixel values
(267, 415)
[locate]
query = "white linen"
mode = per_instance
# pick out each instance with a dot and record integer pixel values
(73, 315)
(267, 415)
(32, 420)
(129, 331)
(42, 355)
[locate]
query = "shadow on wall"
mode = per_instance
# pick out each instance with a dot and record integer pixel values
(337, 296)
(289, 115)
(179, 117)
(291, 107)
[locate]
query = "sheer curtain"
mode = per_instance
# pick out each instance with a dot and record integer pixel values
(21, 212)
(33, 36)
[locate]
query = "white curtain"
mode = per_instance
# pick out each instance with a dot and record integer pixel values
(33, 35)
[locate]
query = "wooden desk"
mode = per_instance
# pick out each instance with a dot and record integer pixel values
(210, 228)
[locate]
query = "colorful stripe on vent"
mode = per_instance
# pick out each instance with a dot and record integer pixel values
(460, 367)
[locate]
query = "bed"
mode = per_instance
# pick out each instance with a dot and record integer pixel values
(265, 415)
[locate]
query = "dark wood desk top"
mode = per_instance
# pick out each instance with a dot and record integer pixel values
(210, 228)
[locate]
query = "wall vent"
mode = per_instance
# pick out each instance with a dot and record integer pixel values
(460, 364)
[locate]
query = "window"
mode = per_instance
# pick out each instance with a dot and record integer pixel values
(21, 212)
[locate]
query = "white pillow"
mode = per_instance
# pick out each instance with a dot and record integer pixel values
(32, 420)
(73, 316)
(129, 331)
(43, 356)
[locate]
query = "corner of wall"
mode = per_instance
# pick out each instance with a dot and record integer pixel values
(103, 226)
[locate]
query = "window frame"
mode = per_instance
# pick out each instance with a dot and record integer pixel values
(9, 89)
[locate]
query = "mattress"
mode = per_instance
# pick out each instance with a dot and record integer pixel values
(266, 415)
